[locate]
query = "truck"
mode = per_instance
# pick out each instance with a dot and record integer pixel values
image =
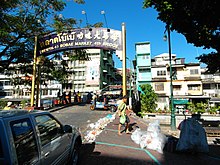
(37, 137)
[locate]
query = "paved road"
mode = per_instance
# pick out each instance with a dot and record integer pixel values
(80, 116)
(111, 149)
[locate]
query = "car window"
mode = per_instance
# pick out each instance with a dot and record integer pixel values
(49, 128)
(1, 149)
(25, 141)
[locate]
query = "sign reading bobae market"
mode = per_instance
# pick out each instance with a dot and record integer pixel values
(80, 38)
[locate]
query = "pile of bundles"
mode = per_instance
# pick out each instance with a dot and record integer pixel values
(192, 137)
(150, 139)
(94, 129)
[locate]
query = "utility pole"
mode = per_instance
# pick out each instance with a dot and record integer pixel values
(173, 118)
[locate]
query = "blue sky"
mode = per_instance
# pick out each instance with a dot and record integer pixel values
(141, 25)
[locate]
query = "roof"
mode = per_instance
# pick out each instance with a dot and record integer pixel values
(16, 112)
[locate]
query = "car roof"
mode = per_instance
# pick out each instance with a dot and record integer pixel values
(16, 112)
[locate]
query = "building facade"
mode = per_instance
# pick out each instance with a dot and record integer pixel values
(86, 76)
(92, 75)
(187, 84)
(143, 63)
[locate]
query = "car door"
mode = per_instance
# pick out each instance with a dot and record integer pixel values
(55, 144)
(24, 141)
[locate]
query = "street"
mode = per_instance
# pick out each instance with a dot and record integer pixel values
(80, 116)
(110, 148)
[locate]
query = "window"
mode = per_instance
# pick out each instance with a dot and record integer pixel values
(206, 86)
(1, 150)
(25, 142)
(159, 87)
(194, 71)
(194, 87)
(8, 93)
(145, 57)
(49, 128)
(144, 70)
(161, 73)
(178, 61)
(7, 83)
(161, 100)
(176, 87)
(81, 62)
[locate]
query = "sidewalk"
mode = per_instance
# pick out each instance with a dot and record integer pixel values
(111, 148)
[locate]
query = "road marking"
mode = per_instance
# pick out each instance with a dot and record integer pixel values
(140, 149)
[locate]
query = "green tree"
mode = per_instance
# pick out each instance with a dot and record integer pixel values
(198, 107)
(20, 21)
(197, 20)
(201, 107)
(191, 106)
(148, 99)
(213, 110)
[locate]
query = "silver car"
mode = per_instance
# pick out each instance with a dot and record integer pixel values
(37, 137)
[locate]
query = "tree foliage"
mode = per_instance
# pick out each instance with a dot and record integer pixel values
(197, 20)
(148, 99)
(21, 21)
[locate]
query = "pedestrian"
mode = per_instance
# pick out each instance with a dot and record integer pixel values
(69, 97)
(89, 97)
(59, 96)
(64, 98)
(78, 97)
(8, 106)
(94, 98)
(123, 118)
(75, 96)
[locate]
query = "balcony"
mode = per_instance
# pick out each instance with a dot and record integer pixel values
(192, 78)
(158, 79)
(194, 92)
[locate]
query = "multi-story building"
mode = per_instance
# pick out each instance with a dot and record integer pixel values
(92, 75)
(187, 84)
(17, 93)
(211, 86)
(87, 76)
(143, 63)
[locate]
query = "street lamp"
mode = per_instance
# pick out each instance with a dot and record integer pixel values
(130, 99)
(103, 13)
(173, 117)
(84, 13)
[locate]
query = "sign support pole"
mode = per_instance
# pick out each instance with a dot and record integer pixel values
(124, 82)
(34, 71)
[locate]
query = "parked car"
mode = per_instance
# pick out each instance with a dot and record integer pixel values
(36, 137)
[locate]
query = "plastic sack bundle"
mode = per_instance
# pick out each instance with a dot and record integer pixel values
(192, 137)
(150, 139)
(136, 135)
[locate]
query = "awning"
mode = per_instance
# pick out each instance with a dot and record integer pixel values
(180, 102)
(215, 100)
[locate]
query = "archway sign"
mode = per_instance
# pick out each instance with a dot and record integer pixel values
(80, 38)
(84, 38)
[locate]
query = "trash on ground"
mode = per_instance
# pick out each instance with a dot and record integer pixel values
(150, 139)
(96, 128)
(192, 137)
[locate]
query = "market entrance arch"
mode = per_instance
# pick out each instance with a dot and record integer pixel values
(79, 39)
(85, 38)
